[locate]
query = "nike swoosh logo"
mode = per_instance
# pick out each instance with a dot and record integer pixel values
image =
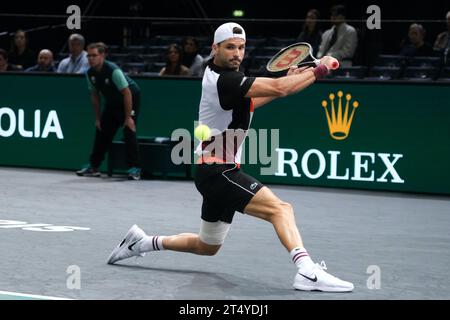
(130, 247)
(310, 279)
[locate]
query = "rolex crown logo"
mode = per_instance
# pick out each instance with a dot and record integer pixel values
(339, 124)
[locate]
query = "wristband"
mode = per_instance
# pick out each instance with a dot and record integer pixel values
(320, 71)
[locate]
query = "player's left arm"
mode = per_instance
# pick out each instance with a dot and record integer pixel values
(260, 101)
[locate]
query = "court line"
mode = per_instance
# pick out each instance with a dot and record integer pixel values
(33, 296)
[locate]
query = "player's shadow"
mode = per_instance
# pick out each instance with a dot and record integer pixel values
(211, 285)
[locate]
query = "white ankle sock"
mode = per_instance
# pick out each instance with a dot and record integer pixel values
(301, 258)
(151, 243)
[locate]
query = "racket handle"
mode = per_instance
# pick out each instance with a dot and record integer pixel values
(317, 62)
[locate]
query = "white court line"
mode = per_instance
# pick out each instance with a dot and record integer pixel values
(25, 295)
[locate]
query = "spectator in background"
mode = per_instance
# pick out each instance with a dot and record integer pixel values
(44, 62)
(77, 62)
(341, 40)
(191, 57)
(20, 54)
(416, 46)
(442, 42)
(311, 32)
(105, 48)
(174, 67)
(4, 65)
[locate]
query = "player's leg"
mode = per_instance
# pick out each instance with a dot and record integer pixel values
(266, 205)
(250, 196)
(310, 276)
(207, 242)
(215, 224)
(191, 243)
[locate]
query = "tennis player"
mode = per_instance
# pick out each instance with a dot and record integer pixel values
(227, 104)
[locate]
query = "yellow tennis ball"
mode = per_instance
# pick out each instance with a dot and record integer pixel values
(202, 132)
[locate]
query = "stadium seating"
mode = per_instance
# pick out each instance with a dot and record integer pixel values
(149, 58)
(420, 73)
(424, 62)
(444, 74)
(390, 60)
(354, 72)
(383, 73)
(134, 67)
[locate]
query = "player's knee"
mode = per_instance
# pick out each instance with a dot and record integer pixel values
(288, 208)
(211, 236)
(282, 210)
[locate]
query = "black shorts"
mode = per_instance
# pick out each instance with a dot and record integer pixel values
(225, 189)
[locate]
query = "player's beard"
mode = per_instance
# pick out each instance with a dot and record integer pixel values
(228, 63)
(235, 66)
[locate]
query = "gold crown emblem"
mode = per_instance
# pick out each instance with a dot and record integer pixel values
(338, 124)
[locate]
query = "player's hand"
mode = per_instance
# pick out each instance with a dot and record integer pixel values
(97, 125)
(296, 70)
(330, 62)
(129, 122)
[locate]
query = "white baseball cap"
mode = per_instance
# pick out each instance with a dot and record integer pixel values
(227, 31)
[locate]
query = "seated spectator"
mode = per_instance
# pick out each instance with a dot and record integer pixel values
(442, 42)
(4, 65)
(77, 62)
(416, 46)
(20, 54)
(311, 32)
(341, 40)
(173, 63)
(191, 57)
(44, 62)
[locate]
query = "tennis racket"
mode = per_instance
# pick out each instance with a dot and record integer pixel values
(298, 54)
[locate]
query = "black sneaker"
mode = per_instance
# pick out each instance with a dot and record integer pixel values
(88, 171)
(134, 174)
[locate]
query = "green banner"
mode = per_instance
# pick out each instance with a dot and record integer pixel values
(385, 136)
(393, 136)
